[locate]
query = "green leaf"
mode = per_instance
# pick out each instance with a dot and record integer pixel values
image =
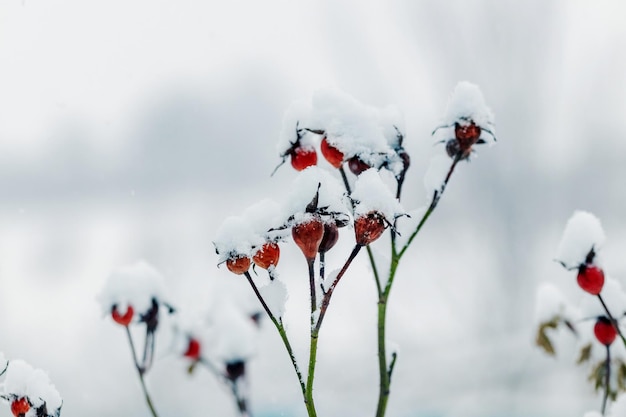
(585, 354)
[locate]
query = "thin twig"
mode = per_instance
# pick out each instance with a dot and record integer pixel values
(615, 322)
(607, 378)
(140, 372)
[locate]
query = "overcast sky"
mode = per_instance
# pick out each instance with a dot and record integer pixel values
(131, 129)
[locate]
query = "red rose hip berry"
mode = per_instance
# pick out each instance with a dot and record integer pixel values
(369, 227)
(357, 166)
(591, 279)
(20, 407)
(333, 155)
(331, 235)
(303, 157)
(267, 255)
(308, 235)
(122, 319)
(193, 349)
(238, 264)
(605, 331)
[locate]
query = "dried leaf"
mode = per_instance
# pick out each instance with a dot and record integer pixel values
(585, 354)
(542, 340)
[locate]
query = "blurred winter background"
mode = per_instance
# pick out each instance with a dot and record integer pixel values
(131, 129)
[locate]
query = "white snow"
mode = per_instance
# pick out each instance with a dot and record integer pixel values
(275, 296)
(582, 233)
(550, 303)
(22, 380)
(468, 103)
(371, 194)
(235, 237)
(233, 334)
(436, 174)
(391, 120)
(406, 225)
(265, 215)
(618, 408)
(297, 114)
(305, 185)
(135, 285)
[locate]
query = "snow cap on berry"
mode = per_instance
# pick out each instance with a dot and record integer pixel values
(356, 129)
(467, 104)
(295, 119)
(305, 186)
(235, 238)
(371, 194)
(24, 381)
(582, 233)
(134, 285)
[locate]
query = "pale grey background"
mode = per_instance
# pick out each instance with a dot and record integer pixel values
(131, 129)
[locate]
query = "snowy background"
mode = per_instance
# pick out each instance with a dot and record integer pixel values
(131, 129)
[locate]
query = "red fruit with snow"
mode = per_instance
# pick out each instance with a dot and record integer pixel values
(238, 264)
(308, 235)
(193, 349)
(591, 279)
(467, 135)
(605, 331)
(123, 319)
(331, 235)
(303, 157)
(333, 155)
(369, 227)
(267, 255)
(357, 166)
(20, 407)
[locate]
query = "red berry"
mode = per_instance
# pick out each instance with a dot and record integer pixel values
(605, 331)
(467, 135)
(369, 227)
(267, 255)
(303, 157)
(357, 166)
(193, 349)
(591, 279)
(123, 319)
(331, 235)
(238, 265)
(333, 155)
(20, 407)
(308, 236)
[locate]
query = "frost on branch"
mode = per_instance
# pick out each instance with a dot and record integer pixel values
(30, 392)
(138, 285)
(583, 233)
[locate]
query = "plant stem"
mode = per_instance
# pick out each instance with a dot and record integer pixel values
(311, 265)
(278, 323)
(615, 322)
(385, 370)
(140, 372)
(607, 378)
(309, 401)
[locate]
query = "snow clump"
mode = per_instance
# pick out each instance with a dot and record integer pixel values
(583, 233)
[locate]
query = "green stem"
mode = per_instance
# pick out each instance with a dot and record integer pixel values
(309, 401)
(140, 372)
(281, 330)
(385, 370)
